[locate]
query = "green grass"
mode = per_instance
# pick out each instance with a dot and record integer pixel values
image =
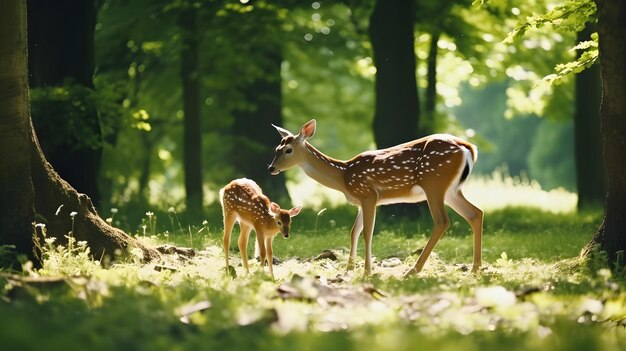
(534, 292)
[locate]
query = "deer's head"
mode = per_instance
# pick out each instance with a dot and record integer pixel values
(282, 218)
(291, 149)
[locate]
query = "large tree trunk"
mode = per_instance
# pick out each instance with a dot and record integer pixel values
(590, 168)
(191, 105)
(17, 194)
(396, 117)
(397, 114)
(61, 51)
(611, 236)
(254, 135)
(28, 184)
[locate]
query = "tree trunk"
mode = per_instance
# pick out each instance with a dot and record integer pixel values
(28, 184)
(17, 194)
(396, 117)
(146, 165)
(611, 236)
(254, 135)
(427, 124)
(590, 168)
(192, 135)
(397, 114)
(61, 51)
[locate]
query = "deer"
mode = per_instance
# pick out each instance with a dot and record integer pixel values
(432, 169)
(243, 201)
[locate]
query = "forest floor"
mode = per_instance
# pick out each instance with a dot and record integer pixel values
(533, 292)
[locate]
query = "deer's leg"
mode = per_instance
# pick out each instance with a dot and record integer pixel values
(243, 244)
(368, 209)
(354, 238)
(260, 244)
(229, 222)
(270, 258)
(441, 222)
(474, 216)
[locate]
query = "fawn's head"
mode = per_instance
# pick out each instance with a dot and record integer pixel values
(282, 218)
(291, 149)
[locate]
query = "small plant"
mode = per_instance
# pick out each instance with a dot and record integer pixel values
(205, 226)
(110, 219)
(58, 260)
(171, 212)
(190, 236)
(151, 222)
(317, 219)
(70, 243)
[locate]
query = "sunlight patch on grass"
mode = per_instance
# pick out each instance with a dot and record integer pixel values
(499, 191)
(489, 192)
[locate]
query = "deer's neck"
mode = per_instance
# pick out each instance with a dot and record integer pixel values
(325, 170)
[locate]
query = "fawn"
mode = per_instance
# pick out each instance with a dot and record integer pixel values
(432, 168)
(243, 201)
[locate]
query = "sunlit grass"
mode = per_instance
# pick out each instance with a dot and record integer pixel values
(488, 192)
(533, 291)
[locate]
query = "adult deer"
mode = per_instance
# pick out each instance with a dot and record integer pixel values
(432, 168)
(243, 201)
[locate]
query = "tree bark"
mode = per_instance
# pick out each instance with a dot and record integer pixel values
(397, 111)
(17, 194)
(590, 168)
(254, 135)
(28, 183)
(61, 50)
(611, 236)
(191, 105)
(396, 117)
(427, 124)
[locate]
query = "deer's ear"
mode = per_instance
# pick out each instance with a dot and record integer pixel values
(295, 211)
(274, 207)
(282, 131)
(307, 130)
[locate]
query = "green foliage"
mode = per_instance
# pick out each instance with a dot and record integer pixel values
(570, 16)
(73, 259)
(327, 73)
(73, 103)
(588, 56)
(7, 256)
(550, 169)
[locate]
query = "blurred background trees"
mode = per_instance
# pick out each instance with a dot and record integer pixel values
(185, 91)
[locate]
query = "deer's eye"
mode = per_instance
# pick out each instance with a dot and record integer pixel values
(288, 151)
(279, 222)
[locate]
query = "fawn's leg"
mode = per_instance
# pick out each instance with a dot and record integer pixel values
(260, 243)
(243, 244)
(270, 257)
(229, 222)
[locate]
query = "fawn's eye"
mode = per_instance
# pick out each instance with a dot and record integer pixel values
(288, 151)
(279, 222)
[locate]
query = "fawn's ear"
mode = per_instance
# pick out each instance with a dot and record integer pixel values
(294, 211)
(274, 207)
(282, 131)
(307, 130)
